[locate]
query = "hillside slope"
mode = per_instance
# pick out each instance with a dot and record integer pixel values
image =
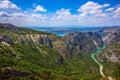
(30, 54)
(110, 56)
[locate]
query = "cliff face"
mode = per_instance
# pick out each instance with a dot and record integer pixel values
(6, 39)
(110, 54)
(110, 35)
(72, 44)
(13, 34)
(46, 56)
(75, 42)
(78, 43)
(112, 50)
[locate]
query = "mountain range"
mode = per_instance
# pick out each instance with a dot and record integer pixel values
(36, 55)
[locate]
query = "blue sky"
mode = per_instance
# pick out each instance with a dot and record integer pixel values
(60, 12)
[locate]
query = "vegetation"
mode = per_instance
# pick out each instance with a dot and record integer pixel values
(29, 55)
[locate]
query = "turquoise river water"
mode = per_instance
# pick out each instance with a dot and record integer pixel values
(100, 65)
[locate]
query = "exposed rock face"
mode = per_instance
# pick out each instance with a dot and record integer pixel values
(108, 38)
(25, 36)
(64, 54)
(78, 42)
(112, 51)
(110, 35)
(110, 55)
(113, 57)
(14, 72)
(45, 40)
(74, 42)
(6, 39)
(35, 39)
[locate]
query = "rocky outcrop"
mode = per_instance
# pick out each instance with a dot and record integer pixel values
(7, 73)
(6, 39)
(34, 50)
(14, 72)
(110, 35)
(110, 55)
(35, 39)
(45, 40)
(111, 52)
(78, 43)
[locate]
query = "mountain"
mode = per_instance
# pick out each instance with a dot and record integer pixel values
(113, 40)
(110, 34)
(78, 43)
(30, 54)
(111, 54)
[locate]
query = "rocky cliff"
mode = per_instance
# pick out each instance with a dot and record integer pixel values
(73, 42)
(45, 56)
(112, 39)
(110, 35)
(78, 43)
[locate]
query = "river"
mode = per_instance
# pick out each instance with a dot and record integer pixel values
(100, 65)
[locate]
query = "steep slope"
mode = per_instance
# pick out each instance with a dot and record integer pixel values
(110, 56)
(28, 51)
(112, 53)
(77, 44)
(110, 34)
(40, 55)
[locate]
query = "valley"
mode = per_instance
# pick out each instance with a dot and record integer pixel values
(36, 55)
(100, 65)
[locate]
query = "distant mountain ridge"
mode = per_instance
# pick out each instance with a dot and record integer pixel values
(9, 26)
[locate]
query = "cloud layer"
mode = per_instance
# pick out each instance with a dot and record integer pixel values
(40, 8)
(6, 4)
(88, 14)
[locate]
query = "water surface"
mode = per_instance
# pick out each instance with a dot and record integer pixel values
(61, 31)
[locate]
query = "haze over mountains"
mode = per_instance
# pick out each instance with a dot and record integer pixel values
(30, 54)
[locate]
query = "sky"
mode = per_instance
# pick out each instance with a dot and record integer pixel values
(60, 12)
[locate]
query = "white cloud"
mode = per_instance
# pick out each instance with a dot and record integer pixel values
(106, 5)
(6, 4)
(63, 14)
(63, 17)
(39, 16)
(90, 8)
(117, 13)
(94, 14)
(89, 14)
(24, 19)
(110, 9)
(4, 14)
(18, 15)
(40, 8)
